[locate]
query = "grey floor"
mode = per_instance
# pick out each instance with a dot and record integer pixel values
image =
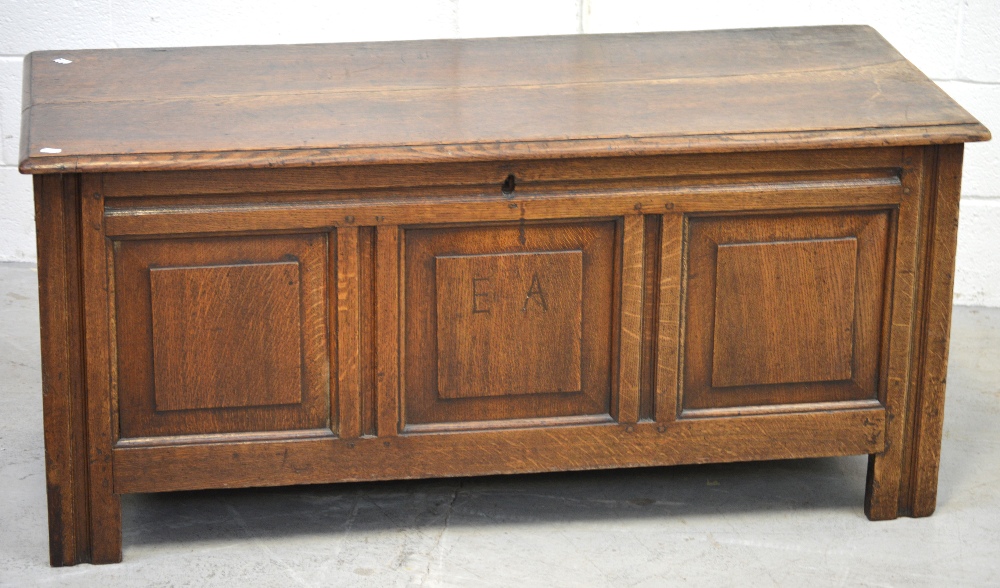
(789, 523)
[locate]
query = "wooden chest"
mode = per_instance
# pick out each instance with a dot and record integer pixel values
(325, 263)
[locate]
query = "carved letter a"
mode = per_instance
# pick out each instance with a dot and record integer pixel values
(535, 289)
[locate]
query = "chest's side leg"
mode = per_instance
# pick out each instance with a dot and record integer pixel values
(903, 479)
(925, 412)
(73, 493)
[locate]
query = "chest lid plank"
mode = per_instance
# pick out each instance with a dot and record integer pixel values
(478, 99)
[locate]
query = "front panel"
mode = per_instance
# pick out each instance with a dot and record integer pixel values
(784, 308)
(506, 322)
(222, 334)
(339, 335)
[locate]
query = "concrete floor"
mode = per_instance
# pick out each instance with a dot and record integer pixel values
(789, 523)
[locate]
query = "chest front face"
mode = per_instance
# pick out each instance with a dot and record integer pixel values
(597, 293)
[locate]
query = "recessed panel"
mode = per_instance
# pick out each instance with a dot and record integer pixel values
(784, 312)
(223, 334)
(509, 324)
(226, 336)
(783, 309)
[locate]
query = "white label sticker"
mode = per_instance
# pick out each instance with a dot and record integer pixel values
(50, 150)
(62, 61)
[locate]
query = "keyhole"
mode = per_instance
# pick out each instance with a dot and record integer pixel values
(508, 185)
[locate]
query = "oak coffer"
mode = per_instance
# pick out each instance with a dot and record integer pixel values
(369, 261)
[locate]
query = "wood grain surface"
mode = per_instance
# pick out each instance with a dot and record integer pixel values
(509, 323)
(784, 312)
(478, 99)
(226, 336)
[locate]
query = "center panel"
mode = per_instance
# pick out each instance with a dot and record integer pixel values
(507, 322)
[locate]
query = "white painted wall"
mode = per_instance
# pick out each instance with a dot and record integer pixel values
(955, 42)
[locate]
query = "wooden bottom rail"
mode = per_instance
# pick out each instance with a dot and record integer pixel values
(154, 469)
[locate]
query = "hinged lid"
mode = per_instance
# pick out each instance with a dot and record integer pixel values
(467, 99)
